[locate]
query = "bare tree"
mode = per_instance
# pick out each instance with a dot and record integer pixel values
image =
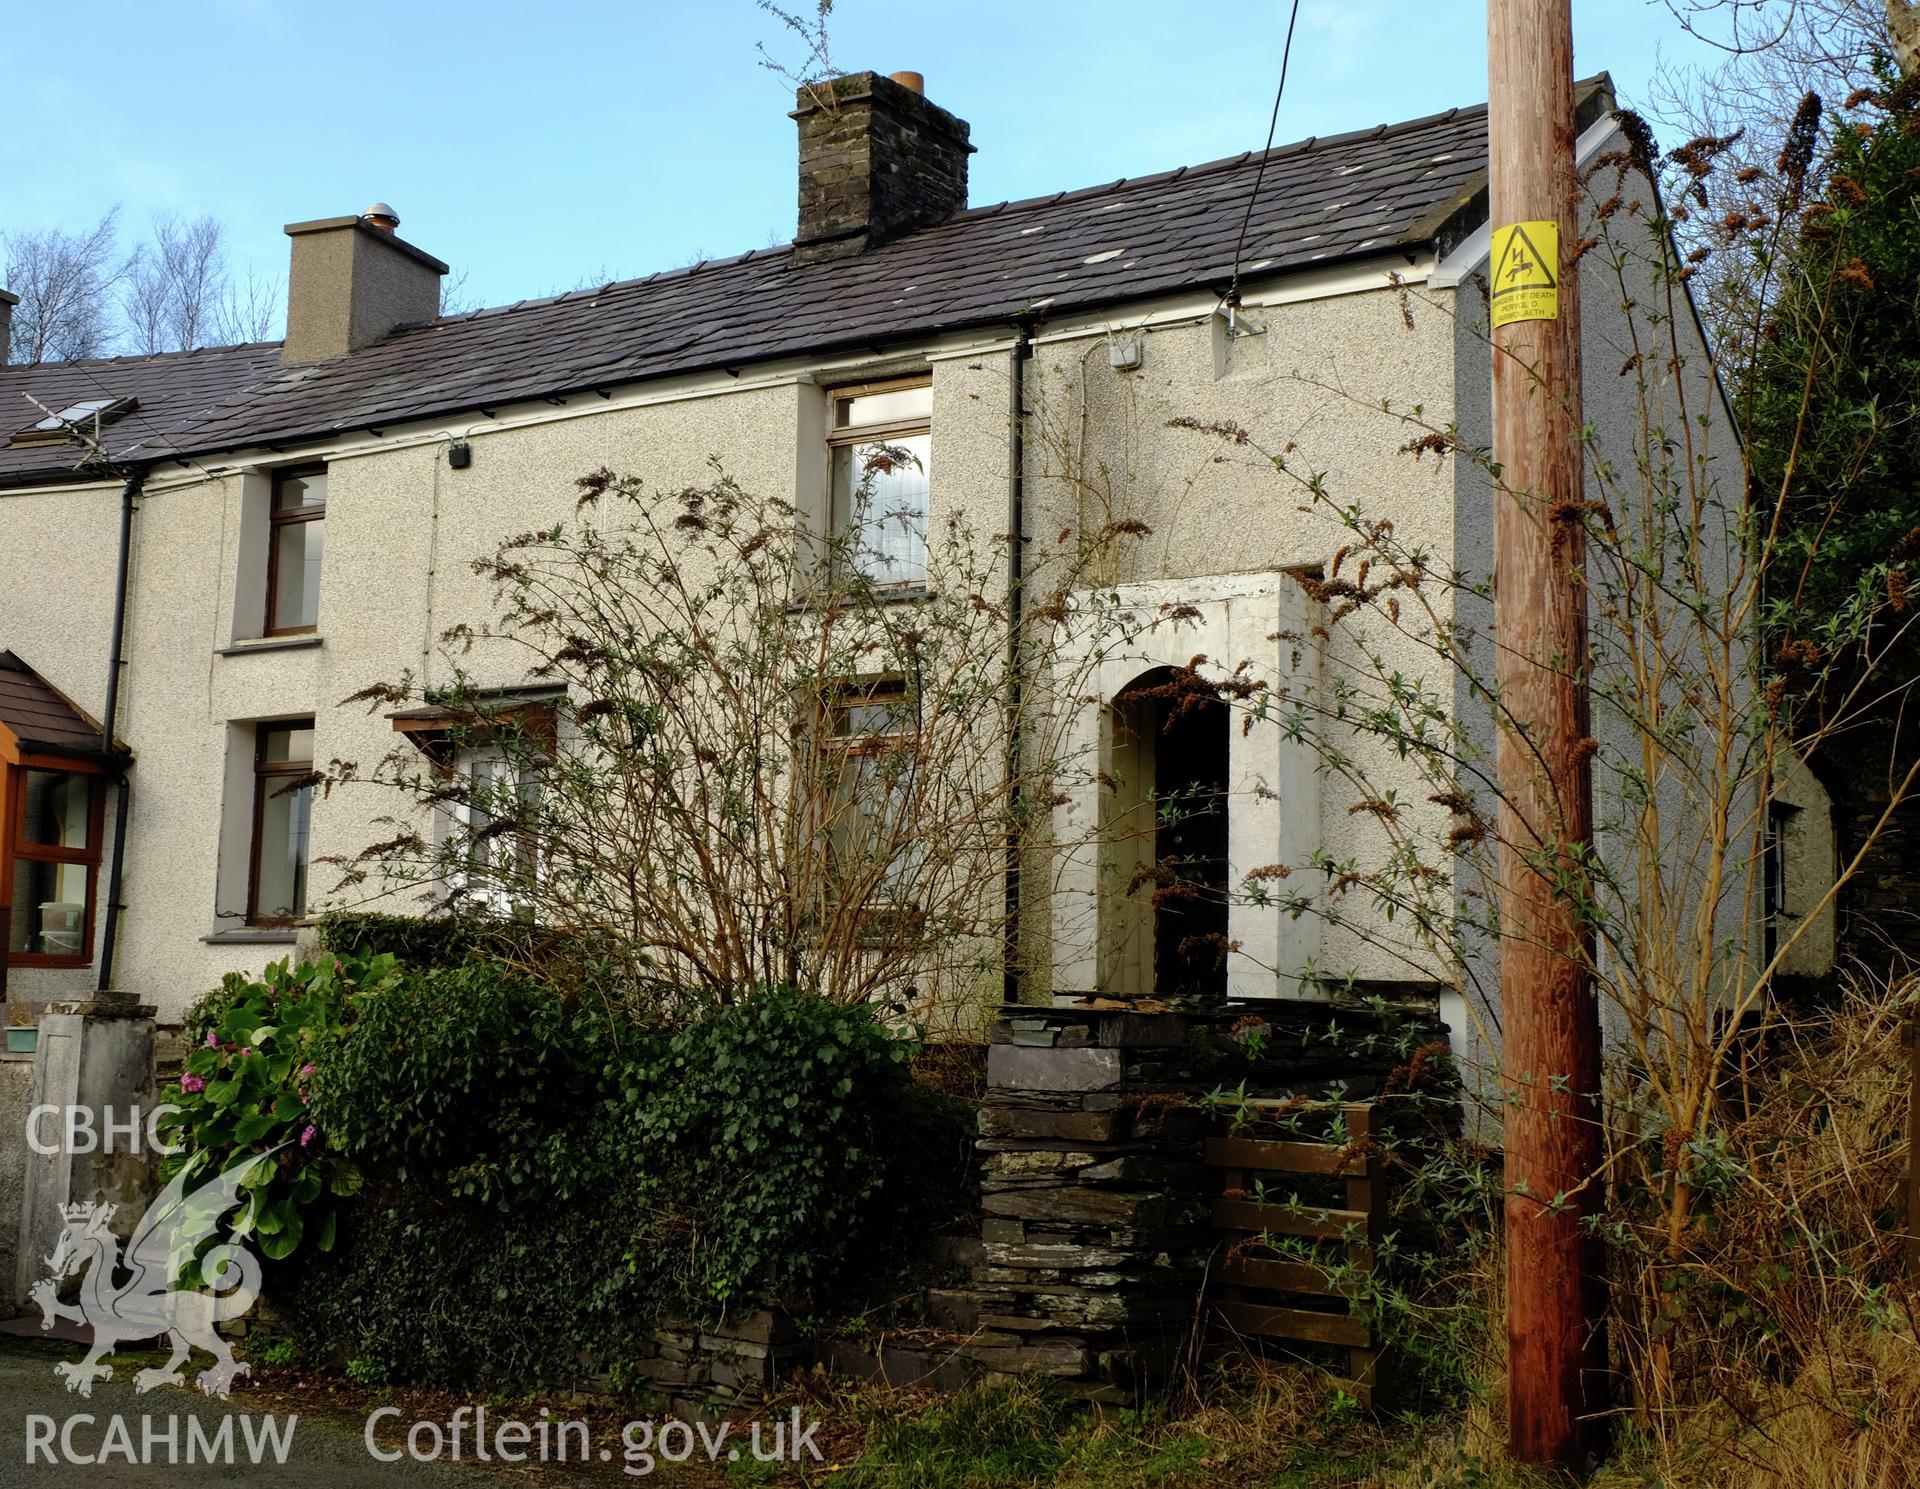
(175, 287)
(65, 283)
(251, 309)
(1772, 54)
(455, 296)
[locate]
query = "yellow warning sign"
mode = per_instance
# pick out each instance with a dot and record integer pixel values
(1526, 272)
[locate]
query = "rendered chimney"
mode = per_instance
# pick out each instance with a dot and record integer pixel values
(351, 281)
(876, 160)
(7, 301)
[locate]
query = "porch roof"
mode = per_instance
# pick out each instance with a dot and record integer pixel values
(36, 718)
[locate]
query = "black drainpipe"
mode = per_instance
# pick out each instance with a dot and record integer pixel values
(1016, 675)
(129, 497)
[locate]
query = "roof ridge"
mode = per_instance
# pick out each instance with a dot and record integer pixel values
(583, 292)
(1300, 146)
(129, 357)
(1008, 205)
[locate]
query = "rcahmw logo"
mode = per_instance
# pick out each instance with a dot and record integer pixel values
(170, 1236)
(168, 1439)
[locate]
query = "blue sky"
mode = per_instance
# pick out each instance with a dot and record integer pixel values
(538, 145)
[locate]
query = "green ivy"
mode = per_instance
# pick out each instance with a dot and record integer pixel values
(1831, 388)
(421, 1292)
(782, 1113)
(546, 1177)
(471, 1082)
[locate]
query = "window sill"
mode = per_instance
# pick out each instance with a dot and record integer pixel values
(252, 935)
(269, 643)
(904, 594)
(42, 961)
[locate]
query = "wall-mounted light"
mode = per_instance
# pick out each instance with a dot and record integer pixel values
(1125, 351)
(459, 455)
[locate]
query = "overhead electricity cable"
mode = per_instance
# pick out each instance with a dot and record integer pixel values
(1259, 176)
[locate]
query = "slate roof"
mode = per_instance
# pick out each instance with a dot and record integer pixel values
(172, 392)
(40, 716)
(1409, 186)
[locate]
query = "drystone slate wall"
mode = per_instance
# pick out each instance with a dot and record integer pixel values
(720, 1368)
(1095, 1234)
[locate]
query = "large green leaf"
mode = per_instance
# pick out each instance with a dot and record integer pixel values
(283, 1242)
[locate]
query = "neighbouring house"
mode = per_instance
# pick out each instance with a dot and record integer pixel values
(302, 515)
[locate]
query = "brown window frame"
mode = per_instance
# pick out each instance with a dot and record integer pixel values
(835, 744)
(277, 519)
(14, 846)
(855, 435)
(264, 773)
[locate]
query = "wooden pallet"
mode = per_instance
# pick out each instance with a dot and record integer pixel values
(1272, 1297)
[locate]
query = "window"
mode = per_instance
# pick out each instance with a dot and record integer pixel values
(489, 751)
(881, 457)
(868, 764)
(282, 816)
(296, 537)
(53, 866)
(75, 423)
(1773, 882)
(499, 847)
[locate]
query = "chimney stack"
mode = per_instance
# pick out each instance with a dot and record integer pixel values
(352, 280)
(7, 301)
(876, 160)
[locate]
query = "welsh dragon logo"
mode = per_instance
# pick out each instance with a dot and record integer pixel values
(133, 1296)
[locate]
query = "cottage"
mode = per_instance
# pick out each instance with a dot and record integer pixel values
(277, 525)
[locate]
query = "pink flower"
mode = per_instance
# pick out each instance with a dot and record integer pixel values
(246, 1050)
(309, 1135)
(191, 1083)
(213, 1039)
(305, 1071)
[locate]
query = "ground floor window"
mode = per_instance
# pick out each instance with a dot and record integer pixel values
(282, 818)
(866, 791)
(51, 870)
(500, 797)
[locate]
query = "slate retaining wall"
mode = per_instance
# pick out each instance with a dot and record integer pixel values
(1094, 1229)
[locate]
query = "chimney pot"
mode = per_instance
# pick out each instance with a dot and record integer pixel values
(913, 82)
(7, 301)
(382, 216)
(876, 160)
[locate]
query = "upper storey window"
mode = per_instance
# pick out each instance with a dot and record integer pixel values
(881, 449)
(296, 539)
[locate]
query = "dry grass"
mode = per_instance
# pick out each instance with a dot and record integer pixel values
(1778, 1332)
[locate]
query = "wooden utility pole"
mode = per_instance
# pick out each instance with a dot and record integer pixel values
(1556, 1297)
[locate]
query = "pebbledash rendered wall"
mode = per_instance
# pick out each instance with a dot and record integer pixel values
(403, 528)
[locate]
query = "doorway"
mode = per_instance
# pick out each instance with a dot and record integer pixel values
(1171, 746)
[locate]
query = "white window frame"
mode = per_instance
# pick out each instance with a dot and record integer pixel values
(490, 899)
(878, 564)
